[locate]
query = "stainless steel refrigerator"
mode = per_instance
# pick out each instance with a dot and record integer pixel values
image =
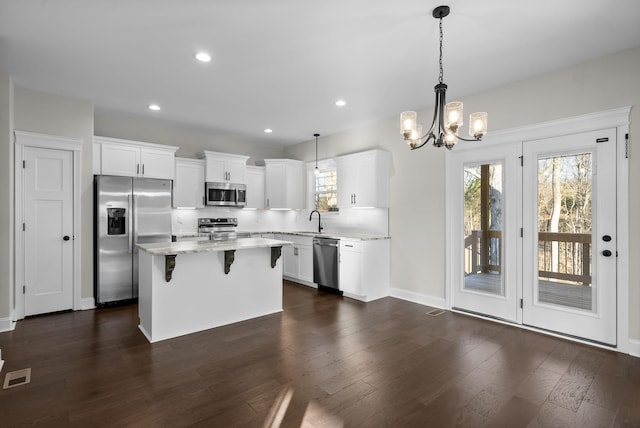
(128, 211)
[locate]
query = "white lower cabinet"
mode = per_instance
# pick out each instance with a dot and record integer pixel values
(298, 259)
(351, 267)
(305, 262)
(364, 269)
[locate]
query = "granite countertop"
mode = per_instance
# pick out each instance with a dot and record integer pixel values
(188, 247)
(333, 235)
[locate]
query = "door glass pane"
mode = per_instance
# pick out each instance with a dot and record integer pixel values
(483, 207)
(565, 193)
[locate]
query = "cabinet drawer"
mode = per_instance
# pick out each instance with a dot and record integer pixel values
(355, 246)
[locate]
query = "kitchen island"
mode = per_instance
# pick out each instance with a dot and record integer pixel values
(185, 287)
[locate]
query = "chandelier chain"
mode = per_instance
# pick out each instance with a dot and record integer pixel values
(441, 75)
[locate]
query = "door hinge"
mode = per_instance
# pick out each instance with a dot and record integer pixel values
(24, 289)
(24, 227)
(24, 164)
(521, 160)
(521, 303)
(626, 146)
(521, 232)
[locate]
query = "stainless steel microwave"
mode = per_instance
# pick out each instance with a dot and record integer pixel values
(226, 194)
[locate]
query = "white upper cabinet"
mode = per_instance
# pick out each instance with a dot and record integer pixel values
(284, 183)
(133, 159)
(363, 179)
(188, 187)
(254, 177)
(224, 167)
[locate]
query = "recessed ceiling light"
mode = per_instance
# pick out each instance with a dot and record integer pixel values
(154, 107)
(203, 57)
(341, 103)
(268, 131)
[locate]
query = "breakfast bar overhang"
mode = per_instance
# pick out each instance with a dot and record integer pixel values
(186, 287)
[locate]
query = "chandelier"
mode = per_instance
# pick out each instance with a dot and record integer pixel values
(447, 118)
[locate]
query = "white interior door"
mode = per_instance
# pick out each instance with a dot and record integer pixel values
(484, 238)
(48, 222)
(569, 244)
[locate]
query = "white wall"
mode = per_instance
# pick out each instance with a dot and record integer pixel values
(417, 213)
(68, 117)
(6, 194)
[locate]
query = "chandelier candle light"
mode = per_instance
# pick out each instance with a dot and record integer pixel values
(447, 118)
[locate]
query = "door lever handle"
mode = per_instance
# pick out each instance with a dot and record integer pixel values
(606, 253)
(65, 238)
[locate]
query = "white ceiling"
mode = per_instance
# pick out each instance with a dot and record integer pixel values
(282, 64)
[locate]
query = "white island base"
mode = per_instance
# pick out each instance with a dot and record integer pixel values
(200, 295)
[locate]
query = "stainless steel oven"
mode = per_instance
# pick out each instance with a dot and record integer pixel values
(226, 194)
(218, 229)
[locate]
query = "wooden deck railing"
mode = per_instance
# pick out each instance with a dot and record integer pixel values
(571, 261)
(481, 258)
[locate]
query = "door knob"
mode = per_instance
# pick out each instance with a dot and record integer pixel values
(606, 253)
(65, 238)
(606, 238)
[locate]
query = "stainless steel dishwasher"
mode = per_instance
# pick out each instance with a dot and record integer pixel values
(326, 255)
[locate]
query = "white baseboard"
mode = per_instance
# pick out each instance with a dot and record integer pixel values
(87, 303)
(422, 299)
(634, 347)
(7, 324)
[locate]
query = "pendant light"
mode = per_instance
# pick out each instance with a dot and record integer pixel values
(316, 171)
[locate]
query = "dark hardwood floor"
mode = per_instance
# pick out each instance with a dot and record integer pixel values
(324, 362)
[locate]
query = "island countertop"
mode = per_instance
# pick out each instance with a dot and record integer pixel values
(189, 247)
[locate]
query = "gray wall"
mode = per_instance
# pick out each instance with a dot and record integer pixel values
(6, 195)
(68, 117)
(417, 178)
(190, 141)
(417, 213)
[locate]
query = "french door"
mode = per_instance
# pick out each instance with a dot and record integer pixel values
(533, 236)
(487, 210)
(569, 244)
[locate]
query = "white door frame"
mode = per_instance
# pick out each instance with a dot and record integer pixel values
(30, 139)
(615, 118)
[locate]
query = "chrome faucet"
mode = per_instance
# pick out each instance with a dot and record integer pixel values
(319, 223)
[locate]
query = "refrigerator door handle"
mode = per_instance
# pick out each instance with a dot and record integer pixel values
(130, 229)
(135, 221)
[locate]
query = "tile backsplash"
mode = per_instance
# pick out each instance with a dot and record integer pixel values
(374, 221)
